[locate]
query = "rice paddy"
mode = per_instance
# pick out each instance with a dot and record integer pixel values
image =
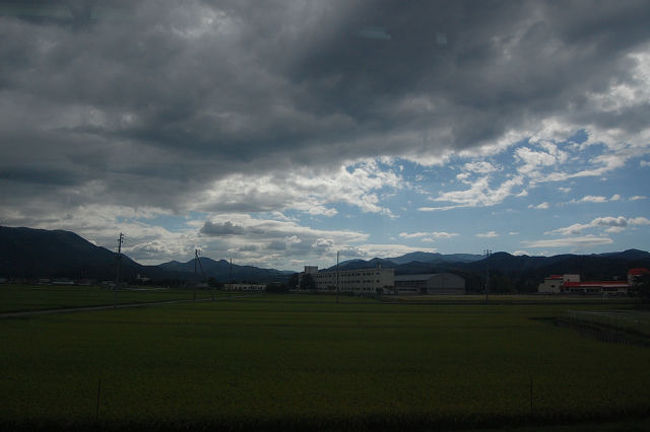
(306, 362)
(14, 298)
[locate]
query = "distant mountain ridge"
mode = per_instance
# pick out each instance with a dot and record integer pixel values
(222, 270)
(33, 253)
(28, 252)
(409, 258)
(434, 257)
(522, 273)
(37, 253)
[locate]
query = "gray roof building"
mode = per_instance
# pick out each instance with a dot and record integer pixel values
(431, 283)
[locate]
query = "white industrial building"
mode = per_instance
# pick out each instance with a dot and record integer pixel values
(432, 283)
(369, 281)
(554, 284)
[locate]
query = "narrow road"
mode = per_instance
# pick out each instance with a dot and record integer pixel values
(105, 307)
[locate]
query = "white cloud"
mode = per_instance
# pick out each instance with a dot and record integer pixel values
(413, 235)
(570, 230)
(541, 206)
(434, 234)
(520, 253)
(638, 197)
(592, 199)
(639, 221)
(479, 194)
(267, 141)
(443, 208)
(243, 229)
(249, 240)
(388, 250)
(281, 241)
(575, 242)
(480, 167)
(306, 190)
(145, 241)
(609, 223)
(489, 234)
(546, 158)
(428, 236)
(532, 160)
(597, 199)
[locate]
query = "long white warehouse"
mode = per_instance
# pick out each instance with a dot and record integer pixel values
(361, 281)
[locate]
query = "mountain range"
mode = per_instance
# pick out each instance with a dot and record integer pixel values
(33, 253)
(38, 253)
(513, 273)
(222, 270)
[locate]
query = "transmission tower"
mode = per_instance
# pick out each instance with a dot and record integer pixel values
(197, 259)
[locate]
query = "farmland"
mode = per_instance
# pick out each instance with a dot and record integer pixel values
(510, 299)
(305, 362)
(630, 320)
(15, 298)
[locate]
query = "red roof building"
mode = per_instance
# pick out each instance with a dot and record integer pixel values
(571, 284)
(596, 287)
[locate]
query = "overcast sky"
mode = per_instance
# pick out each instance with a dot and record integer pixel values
(280, 132)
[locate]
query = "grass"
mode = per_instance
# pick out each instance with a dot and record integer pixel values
(305, 362)
(513, 299)
(15, 298)
(637, 321)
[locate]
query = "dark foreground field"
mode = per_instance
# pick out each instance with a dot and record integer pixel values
(306, 363)
(18, 298)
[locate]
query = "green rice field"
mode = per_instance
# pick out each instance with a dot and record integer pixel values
(637, 321)
(14, 298)
(308, 363)
(512, 299)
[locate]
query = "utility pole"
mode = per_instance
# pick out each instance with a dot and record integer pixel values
(337, 276)
(488, 252)
(117, 272)
(196, 259)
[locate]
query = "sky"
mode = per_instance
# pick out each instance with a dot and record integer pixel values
(277, 133)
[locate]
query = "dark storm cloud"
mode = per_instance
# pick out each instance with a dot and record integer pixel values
(152, 100)
(39, 176)
(220, 229)
(504, 61)
(277, 245)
